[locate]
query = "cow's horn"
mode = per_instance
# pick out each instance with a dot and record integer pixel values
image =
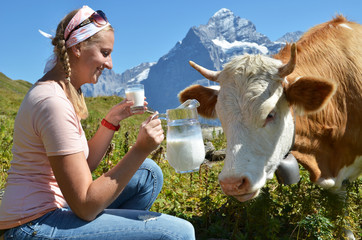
(288, 68)
(209, 74)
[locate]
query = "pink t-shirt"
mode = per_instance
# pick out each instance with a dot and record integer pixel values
(46, 125)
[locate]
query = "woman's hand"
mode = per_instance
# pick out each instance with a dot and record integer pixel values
(122, 111)
(150, 134)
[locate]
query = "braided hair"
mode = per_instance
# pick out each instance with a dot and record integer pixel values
(75, 96)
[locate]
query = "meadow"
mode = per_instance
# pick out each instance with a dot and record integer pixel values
(299, 211)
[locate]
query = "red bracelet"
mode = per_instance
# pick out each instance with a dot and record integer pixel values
(110, 125)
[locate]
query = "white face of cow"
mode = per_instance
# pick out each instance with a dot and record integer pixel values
(257, 122)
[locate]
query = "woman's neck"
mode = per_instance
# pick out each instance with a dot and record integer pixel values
(57, 75)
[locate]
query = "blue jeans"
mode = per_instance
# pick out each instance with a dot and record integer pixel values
(126, 218)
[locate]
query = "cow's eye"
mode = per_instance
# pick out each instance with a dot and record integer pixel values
(270, 117)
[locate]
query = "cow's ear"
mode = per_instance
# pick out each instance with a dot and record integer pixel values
(207, 98)
(310, 94)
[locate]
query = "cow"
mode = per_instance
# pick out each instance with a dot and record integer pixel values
(306, 99)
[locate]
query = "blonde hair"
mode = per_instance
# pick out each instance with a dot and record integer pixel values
(75, 96)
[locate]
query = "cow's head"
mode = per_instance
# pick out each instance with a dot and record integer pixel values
(253, 105)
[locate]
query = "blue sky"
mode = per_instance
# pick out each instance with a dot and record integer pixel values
(146, 30)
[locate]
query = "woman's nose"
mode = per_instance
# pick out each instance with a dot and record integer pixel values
(108, 64)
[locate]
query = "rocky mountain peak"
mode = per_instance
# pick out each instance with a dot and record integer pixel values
(221, 17)
(225, 25)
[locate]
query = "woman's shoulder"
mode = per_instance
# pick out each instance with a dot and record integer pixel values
(41, 91)
(48, 88)
(46, 95)
(48, 100)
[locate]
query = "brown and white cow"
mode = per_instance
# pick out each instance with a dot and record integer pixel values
(312, 89)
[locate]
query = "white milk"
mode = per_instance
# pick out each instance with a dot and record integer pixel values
(185, 154)
(136, 95)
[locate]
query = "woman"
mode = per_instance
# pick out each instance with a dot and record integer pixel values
(50, 193)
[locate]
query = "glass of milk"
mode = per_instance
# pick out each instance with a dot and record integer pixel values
(136, 93)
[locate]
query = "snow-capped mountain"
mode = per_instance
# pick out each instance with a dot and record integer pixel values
(210, 45)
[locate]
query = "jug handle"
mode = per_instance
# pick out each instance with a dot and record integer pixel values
(162, 116)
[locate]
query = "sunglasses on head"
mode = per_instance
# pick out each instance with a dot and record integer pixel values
(98, 18)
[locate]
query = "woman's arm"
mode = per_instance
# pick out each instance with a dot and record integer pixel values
(87, 198)
(98, 146)
(99, 143)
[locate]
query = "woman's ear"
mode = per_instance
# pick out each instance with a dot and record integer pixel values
(76, 49)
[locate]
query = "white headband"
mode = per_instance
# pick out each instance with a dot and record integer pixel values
(81, 34)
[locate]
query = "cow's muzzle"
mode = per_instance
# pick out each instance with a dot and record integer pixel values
(240, 188)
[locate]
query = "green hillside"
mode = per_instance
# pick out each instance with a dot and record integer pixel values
(12, 93)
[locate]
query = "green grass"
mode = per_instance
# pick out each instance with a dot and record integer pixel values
(300, 211)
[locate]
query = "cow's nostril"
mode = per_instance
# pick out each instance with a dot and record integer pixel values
(244, 184)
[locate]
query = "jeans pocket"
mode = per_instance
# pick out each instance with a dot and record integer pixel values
(25, 231)
(28, 230)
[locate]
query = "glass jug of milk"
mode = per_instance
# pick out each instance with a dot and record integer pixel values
(185, 146)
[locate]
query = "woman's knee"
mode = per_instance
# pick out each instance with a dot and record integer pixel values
(155, 171)
(188, 230)
(180, 229)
